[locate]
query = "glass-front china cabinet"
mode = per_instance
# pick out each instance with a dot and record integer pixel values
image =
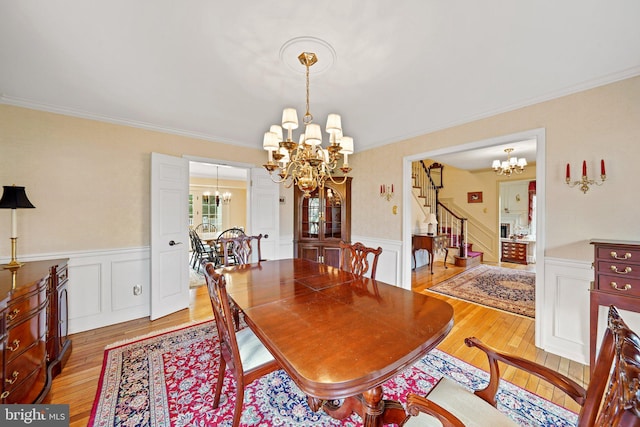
(322, 221)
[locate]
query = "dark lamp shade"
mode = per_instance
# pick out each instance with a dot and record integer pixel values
(14, 197)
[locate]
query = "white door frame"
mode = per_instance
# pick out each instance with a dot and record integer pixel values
(540, 137)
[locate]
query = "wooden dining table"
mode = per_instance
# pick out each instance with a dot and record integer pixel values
(339, 337)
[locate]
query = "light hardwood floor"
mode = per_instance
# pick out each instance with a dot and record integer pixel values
(78, 382)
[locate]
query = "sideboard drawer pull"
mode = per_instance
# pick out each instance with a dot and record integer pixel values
(13, 314)
(14, 377)
(626, 287)
(626, 270)
(14, 345)
(614, 255)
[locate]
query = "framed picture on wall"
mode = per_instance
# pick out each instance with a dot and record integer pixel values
(474, 197)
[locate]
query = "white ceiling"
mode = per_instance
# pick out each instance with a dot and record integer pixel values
(212, 69)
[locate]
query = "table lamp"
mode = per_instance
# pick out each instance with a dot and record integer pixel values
(432, 221)
(14, 198)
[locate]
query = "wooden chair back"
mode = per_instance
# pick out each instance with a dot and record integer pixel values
(237, 250)
(241, 350)
(612, 398)
(217, 288)
(200, 252)
(355, 258)
(613, 395)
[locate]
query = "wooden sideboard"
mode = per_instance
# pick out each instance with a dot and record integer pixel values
(617, 282)
(33, 329)
(513, 251)
(431, 244)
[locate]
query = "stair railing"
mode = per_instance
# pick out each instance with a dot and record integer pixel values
(449, 222)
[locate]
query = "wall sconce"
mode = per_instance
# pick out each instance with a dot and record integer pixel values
(386, 191)
(14, 198)
(584, 182)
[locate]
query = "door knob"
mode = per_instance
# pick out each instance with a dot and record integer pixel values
(172, 243)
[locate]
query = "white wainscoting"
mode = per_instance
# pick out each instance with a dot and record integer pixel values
(565, 308)
(390, 261)
(101, 286)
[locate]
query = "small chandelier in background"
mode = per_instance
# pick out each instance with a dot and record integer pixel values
(510, 166)
(306, 163)
(226, 196)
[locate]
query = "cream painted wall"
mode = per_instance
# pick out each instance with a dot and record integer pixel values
(88, 180)
(601, 123)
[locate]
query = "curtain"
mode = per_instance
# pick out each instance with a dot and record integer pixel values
(532, 192)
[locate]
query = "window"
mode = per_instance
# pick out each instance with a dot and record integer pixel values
(211, 213)
(190, 210)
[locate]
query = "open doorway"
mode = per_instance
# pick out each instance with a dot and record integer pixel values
(536, 134)
(217, 197)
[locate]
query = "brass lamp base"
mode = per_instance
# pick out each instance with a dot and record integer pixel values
(14, 262)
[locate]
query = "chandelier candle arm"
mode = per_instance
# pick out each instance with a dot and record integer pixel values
(306, 163)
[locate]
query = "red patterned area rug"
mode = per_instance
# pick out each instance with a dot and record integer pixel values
(168, 380)
(496, 287)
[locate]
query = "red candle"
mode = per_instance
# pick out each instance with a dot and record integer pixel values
(584, 168)
(568, 171)
(602, 167)
(392, 186)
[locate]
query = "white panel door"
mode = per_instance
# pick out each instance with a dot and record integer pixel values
(265, 212)
(169, 234)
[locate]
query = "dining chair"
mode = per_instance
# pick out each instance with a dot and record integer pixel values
(238, 250)
(355, 258)
(227, 234)
(612, 398)
(202, 253)
(240, 350)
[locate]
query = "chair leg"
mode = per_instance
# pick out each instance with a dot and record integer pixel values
(216, 396)
(237, 412)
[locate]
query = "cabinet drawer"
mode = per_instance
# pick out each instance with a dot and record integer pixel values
(25, 377)
(62, 275)
(618, 284)
(618, 254)
(22, 307)
(24, 336)
(618, 268)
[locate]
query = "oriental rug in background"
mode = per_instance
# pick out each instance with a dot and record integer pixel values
(169, 379)
(496, 287)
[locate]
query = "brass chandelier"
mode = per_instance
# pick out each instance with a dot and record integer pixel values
(510, 166)
(306, 163)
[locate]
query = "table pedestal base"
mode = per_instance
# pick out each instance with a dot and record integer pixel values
(374, 411)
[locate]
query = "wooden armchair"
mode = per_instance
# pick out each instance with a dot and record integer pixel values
(612, 398)
(355, 258)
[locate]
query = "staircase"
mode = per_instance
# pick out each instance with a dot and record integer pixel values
(427, 182)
